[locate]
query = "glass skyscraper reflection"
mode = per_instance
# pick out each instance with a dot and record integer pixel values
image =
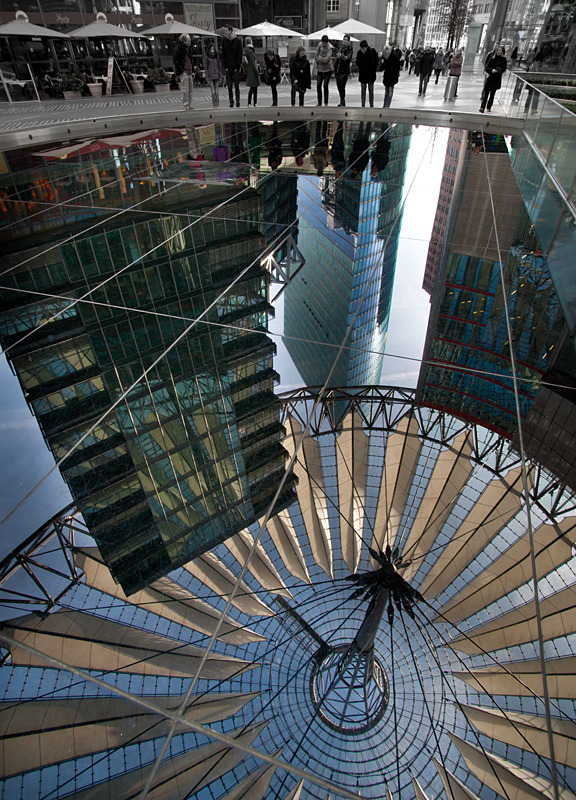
(153, 383)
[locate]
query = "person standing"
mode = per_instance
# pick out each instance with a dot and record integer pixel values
(438, 64)
(426, 62)
(184, 69)
(342, 68)
(366, 61)
(494, 68)
(323, 69)
(272, 66)
(299, 75)
(232, 61)
(252, 73)
(213, 73)
(391, 66)
(456, 67)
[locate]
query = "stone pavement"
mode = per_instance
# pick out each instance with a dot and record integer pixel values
(23, 116)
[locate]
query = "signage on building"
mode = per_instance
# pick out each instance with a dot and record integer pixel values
(294, 23)
(201, 15)
(405, 20)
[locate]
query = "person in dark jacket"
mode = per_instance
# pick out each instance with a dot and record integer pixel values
(252, 71)
(391, 66)
(299, 75)
(273, 75)
(494, 68)
(342, 67)
(366, 61)
(426, 64)
(232, 61)
(455, 70)
(184, 69)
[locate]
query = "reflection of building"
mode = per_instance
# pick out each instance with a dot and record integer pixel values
(467, 360)
(348, 238)
(169, 426)
(451, 162)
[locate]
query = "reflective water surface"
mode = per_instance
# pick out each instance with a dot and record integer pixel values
(203, 323)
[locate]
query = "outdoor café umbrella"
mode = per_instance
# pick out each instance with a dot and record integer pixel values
(21, 27)
(173, 27)
(355, 26)
(102, 29)
(331, 33)
(266, 28)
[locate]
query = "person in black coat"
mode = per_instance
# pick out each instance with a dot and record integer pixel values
(272, 74)
(342, 67)
(300, 76)
(184, 69)
(232, 61)
(391, 66)
(366, 61)
(494, 68)
(426, 66)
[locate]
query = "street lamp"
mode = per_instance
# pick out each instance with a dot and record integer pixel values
(357, 7)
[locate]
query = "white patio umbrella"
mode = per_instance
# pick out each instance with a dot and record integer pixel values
(331, 33)
(269, 29)
(21, 27)
(355, 26)
(172, 27)
(102, 29)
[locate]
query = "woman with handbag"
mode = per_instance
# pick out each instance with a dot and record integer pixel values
(213, 73)
(272, 74)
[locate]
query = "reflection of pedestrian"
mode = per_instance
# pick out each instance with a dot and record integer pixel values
(494, 68)
(184, 69)
(272, 65)
(342, 67)
(360, 155)
(232, 61)
(299, 141)
(320, 154)
(213, 73)
(337, 156)
(380, 154)
(391, 65)
(299, 76)
(456, 68)
(274, 147)
(366, 61)
(323, 69)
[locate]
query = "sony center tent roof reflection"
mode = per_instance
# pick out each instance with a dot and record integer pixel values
(189, 627)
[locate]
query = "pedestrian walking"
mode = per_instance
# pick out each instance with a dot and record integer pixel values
(438, 64)
(184, 69)
(406, 58)
(342, 67)
(411, 61)
(390, 64)
(323, 69)
(366, 61)
(272, 73)
(456, 67)
(213, 73)
(494, 68)
(426, 62)
(252, 72)
(299, 76)
(232, 61)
